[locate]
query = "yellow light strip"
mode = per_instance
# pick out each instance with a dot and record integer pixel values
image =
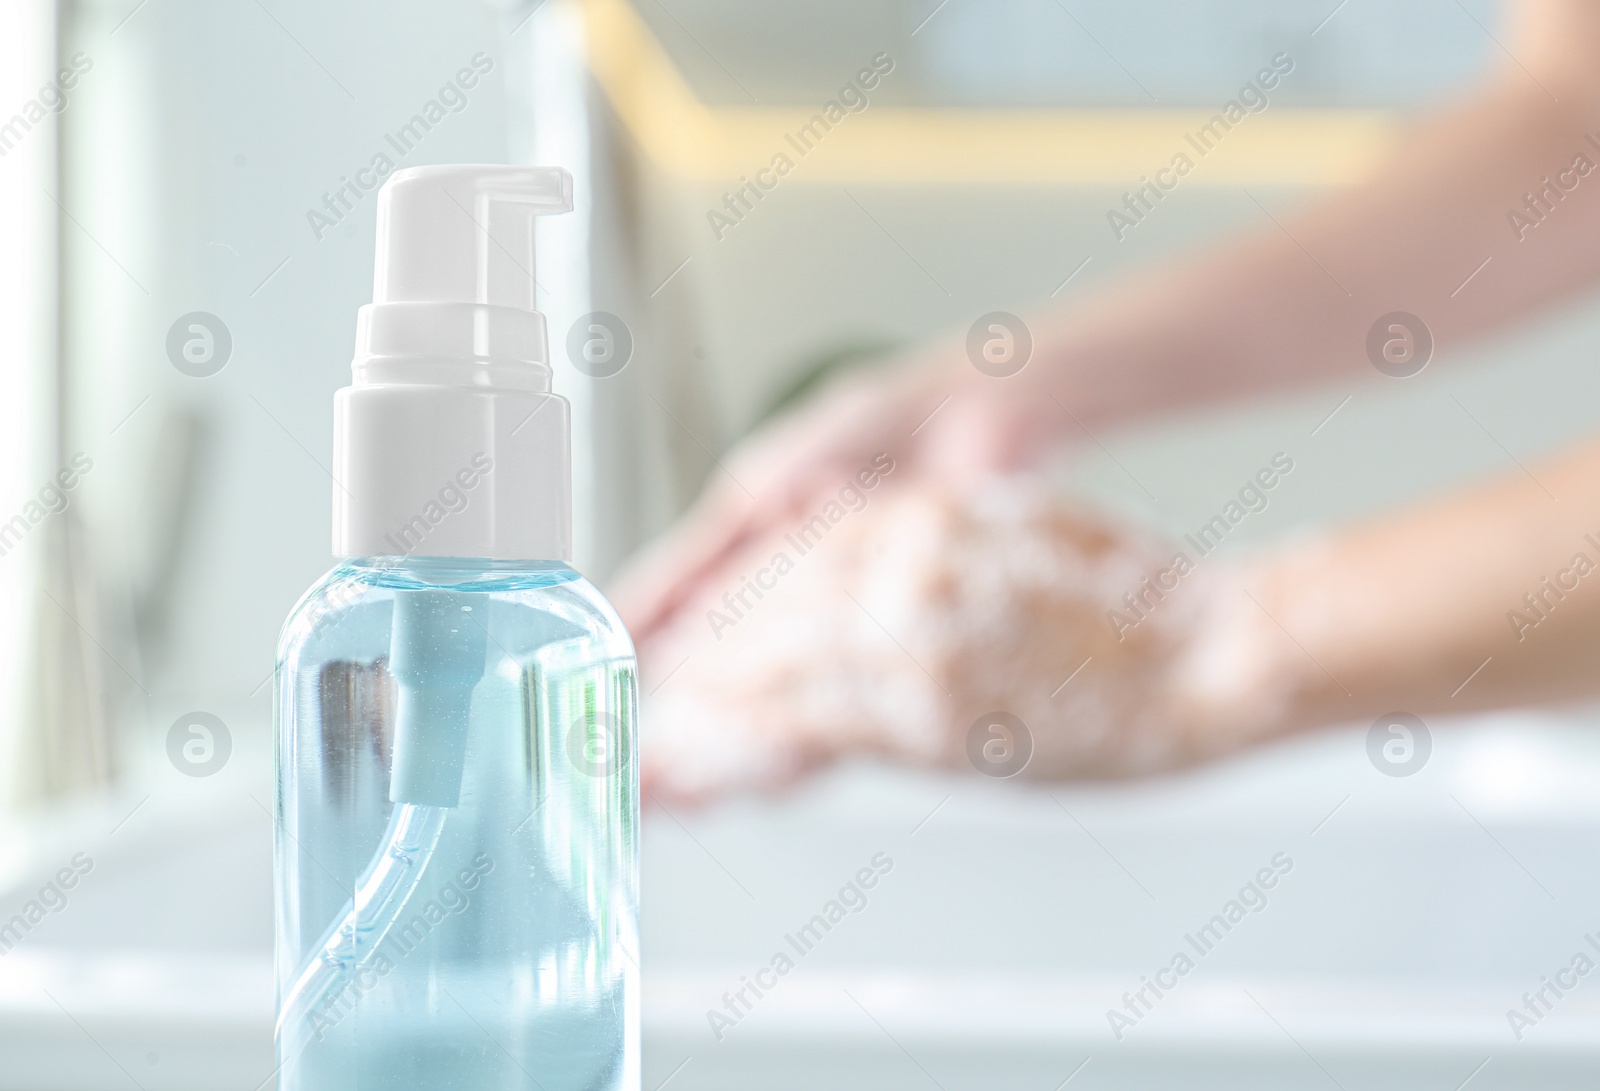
(703, 143)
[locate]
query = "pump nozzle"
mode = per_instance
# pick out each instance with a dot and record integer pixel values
(451, 393)
(463, 234)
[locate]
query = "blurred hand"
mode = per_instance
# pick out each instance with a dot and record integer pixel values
(937, 420)
(893, 628)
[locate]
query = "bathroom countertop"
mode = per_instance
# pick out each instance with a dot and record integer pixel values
(1014, 917)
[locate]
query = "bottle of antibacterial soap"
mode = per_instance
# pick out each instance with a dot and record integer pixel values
(457, 790)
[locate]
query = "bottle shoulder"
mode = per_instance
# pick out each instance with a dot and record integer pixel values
(548, 600)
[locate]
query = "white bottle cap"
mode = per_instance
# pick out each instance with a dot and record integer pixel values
(449, 442)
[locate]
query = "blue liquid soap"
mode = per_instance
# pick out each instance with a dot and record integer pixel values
(457, 783)
(488, 944)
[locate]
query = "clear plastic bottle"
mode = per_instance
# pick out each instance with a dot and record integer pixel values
(512, 962)
(457, 789)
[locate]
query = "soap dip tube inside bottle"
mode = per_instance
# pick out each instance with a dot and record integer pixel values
(457, 785)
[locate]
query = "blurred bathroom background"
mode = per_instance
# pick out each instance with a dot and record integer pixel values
(182, 162)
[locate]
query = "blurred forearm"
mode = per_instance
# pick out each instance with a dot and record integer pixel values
(1293, 303)
(1503, 581)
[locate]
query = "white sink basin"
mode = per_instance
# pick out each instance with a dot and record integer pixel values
(1011, 921)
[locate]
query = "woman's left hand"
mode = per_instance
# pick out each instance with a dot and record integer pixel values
(983, 629)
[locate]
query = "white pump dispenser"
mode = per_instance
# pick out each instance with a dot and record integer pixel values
(450, 673)
(449, 442)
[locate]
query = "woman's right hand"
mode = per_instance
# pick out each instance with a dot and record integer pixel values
(935, 419)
